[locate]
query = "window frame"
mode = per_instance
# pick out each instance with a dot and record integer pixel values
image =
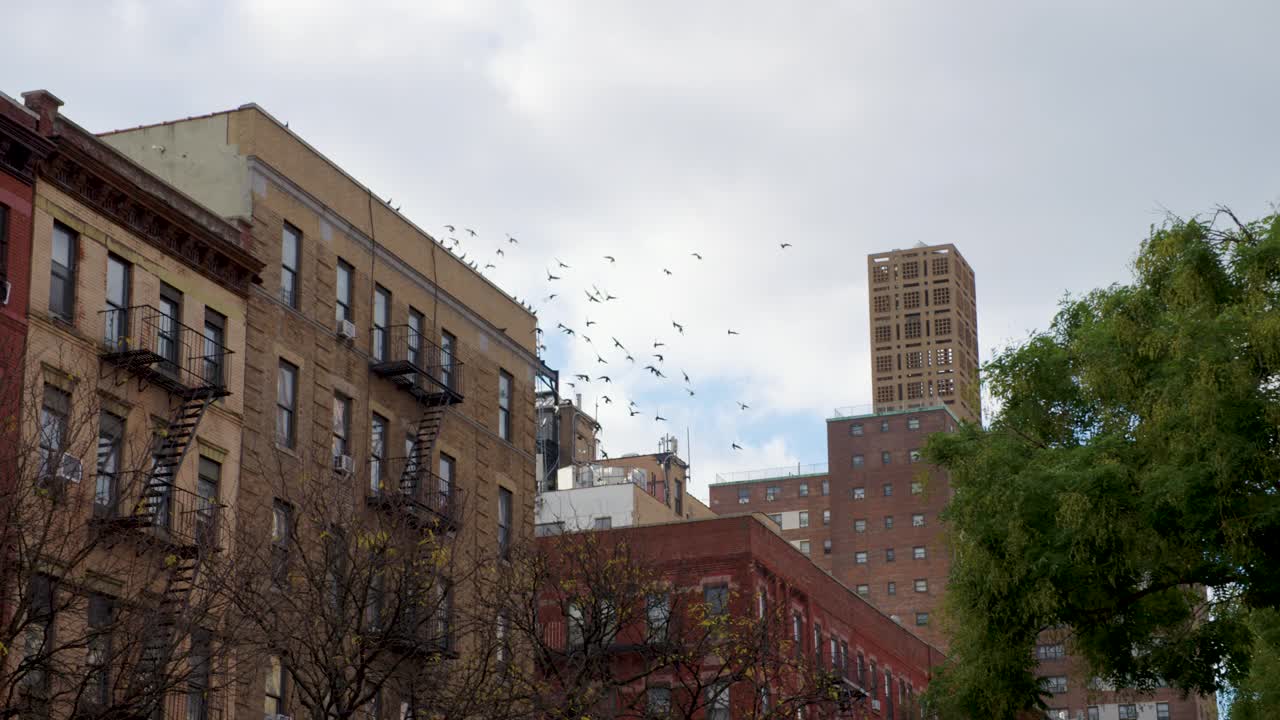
(344, 309)
(803, 490)
(117, 321)
(506, 518)
(380, 338)
(63, 306)
(505, 380)
(341, 425)
(290, 275)
(379, 427)
(213, 362)
(287, 379)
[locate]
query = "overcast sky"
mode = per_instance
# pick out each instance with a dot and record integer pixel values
(1041, 138)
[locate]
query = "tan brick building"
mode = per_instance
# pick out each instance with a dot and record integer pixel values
(924, 330)
(372, 352)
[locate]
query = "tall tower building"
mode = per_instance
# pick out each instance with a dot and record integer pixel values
(924, 330)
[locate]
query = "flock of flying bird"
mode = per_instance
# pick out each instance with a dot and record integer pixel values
(620, 352)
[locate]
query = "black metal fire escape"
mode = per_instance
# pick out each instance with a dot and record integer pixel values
(144, 344)
(434, 377)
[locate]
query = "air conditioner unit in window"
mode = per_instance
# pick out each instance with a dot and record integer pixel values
(70, 468)
(344, 464)
(875, 706)
(346, 329)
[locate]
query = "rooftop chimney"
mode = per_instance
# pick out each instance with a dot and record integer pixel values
(44, 104)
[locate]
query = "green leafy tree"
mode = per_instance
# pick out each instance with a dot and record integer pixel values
(1258, 696)
(1128, 488)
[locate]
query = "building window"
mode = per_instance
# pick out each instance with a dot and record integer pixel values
(448, 348)
(4, 242)
(913, 456)
(286, 404)
(884, 426)
(804, 489)
(887, 489)
(804, 518)
(1052, 651)
(718, 701)
(891, 588)
(1057, 714)
(917, 487)
(776, 517)
(855, 429)
(859, 493)
(716, 598)
(1055, 684)
(826, 517)
(341, 425)
(917, 520)
(772, 492)
(888, 522)
(860, 526)
(1128, 712)
(273, 704)
(826, 546)
(913, 423)
(657, 614)
(98, 655)
(290, 250)
(504, 521)
(922, 585)
(826, 488)
(858, 461)
(744, 496)
(863, 590)
(657, 702)
(377, 452)
(918, 552)
(448, 471)
(413, 337)
(281, 529)
(381, 320)
(62, 273)
(110, 458)
(889, 555)
(860, 557)
(885, 457)
(941, 295)
(215, 339)
(208, 483)
(603, 522)
(119, 275)
(54, 426)
(1093, 713)
(1162, 711)
(345, 290)
(504, 405)
(167, 339)
(804, 546)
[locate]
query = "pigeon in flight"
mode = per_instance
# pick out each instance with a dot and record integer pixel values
(784, 246)
(686, 375)
(561, 264)
(689, 391)
(679, 328)
(611, 258)
(733, 332)
(572, 385)
(470, 232)
(660, 357)
(608, 297)
(551, 277)
(489, 265)
(512, 240)
(659, 418)
(500, 253)
(634, 412)
(696, 255)
(590, 322)
(668, 272)
(630, 358)
(631, 403)
(605, 378)
(616, 343)
(657, 344)
(606, 399)
(651, 369)
(743, 406)
(591, 297)
(552, 296)
(583, 378)
(450, 228)
(568, 331)
(584, 337)
(601, 360)
(735, 446)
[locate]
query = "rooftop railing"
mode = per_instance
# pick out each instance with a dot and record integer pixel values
(773, 472)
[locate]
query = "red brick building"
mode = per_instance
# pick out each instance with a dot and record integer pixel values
(872, 519)
(21, 149)
(744, 558)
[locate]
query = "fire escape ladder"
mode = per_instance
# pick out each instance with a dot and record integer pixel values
(424, 446)
(170, 449)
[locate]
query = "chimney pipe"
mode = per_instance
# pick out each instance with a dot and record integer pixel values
(45, 105)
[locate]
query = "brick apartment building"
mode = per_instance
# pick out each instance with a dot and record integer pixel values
(881, 665)
(135, 303)
(372, 352)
